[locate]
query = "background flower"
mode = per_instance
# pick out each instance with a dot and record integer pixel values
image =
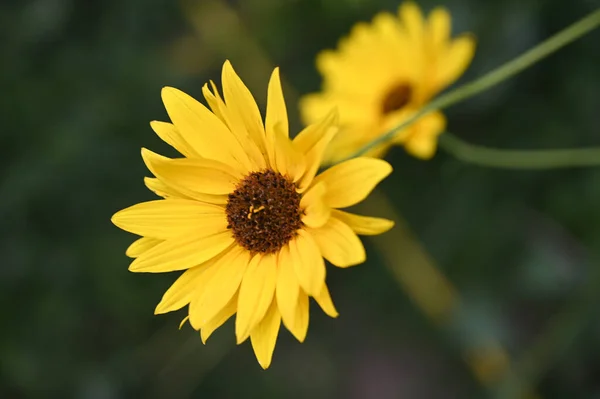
(385, 71)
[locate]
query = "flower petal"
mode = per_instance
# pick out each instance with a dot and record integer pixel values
(457, 58)
(203, 130)
(218, 106)
(423, 140)
(242, 106)
(264, 336)
(301, 318)
(224, 284)
(325, 302)
(219, 319)
(288, 160)
(351, 181)
(339, 244)
(439, 28)
(193, 177)
(288, 289)
(182, 252)
(276, 112)
(163, 190)
(169, 134)
(256, 294)
(364, 225)
(308, 262)
(170, 218)
(316, 212)
(141, 245)
(185, 288)
(412, 18)
(182, 322)
(312, 141)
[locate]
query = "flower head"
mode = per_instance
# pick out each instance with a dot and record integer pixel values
(245, 215)
(383, 73)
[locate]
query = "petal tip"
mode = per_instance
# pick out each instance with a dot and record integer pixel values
(167, 90)
(203, 337)
(390, 225)
(114, 218)
(145, 152)
(134, 266)
(186, 318)
(264, 365)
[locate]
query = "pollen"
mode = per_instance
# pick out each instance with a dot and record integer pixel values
(396, 98)
(264, 211)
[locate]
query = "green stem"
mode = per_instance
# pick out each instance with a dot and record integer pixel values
(496, 76)
(519, 159)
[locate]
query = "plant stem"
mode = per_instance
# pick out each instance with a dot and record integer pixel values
(519, 159)
(509, 69)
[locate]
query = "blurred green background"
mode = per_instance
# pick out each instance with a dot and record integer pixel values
(80, 82)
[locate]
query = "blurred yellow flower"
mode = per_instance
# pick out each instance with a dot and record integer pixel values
(383, 73)
(245, 215)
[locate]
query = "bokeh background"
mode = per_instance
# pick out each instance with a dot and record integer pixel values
(486, 288)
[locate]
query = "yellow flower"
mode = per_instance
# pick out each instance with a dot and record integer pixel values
(244, 214)
(383, 73)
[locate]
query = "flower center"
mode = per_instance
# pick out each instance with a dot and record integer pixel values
(396, 98)
(264, 212)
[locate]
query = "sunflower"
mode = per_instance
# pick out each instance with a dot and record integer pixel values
(245, 214)
(383, 73)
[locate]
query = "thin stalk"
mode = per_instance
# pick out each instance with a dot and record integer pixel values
(519, 159)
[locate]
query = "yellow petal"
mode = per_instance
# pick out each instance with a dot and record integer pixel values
(308, 262)
(141, 245)
(256, 294)
(316, 212)
(339, 244)
(217, 321)
(264, 336)
(287, 288)
(161, 189)
(301, 317)
(242, 106)
(184, 289)
(412, 18)
(216, 104)
(457, 58)
(422, 147)
(239, 130)
(312, 141)
(224, 284)
(423, 140)
(203, 130)
(351, 181)
(186, 318)
(364, 225)
(169, 134)
(325, 302)
(166, 189)
(193, 177)
(182, 252)
(276, 113)
(288, 160)
(170, 218)
(439, 27)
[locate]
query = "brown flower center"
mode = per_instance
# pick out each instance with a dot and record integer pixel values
(398, 97)
(264, 212)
